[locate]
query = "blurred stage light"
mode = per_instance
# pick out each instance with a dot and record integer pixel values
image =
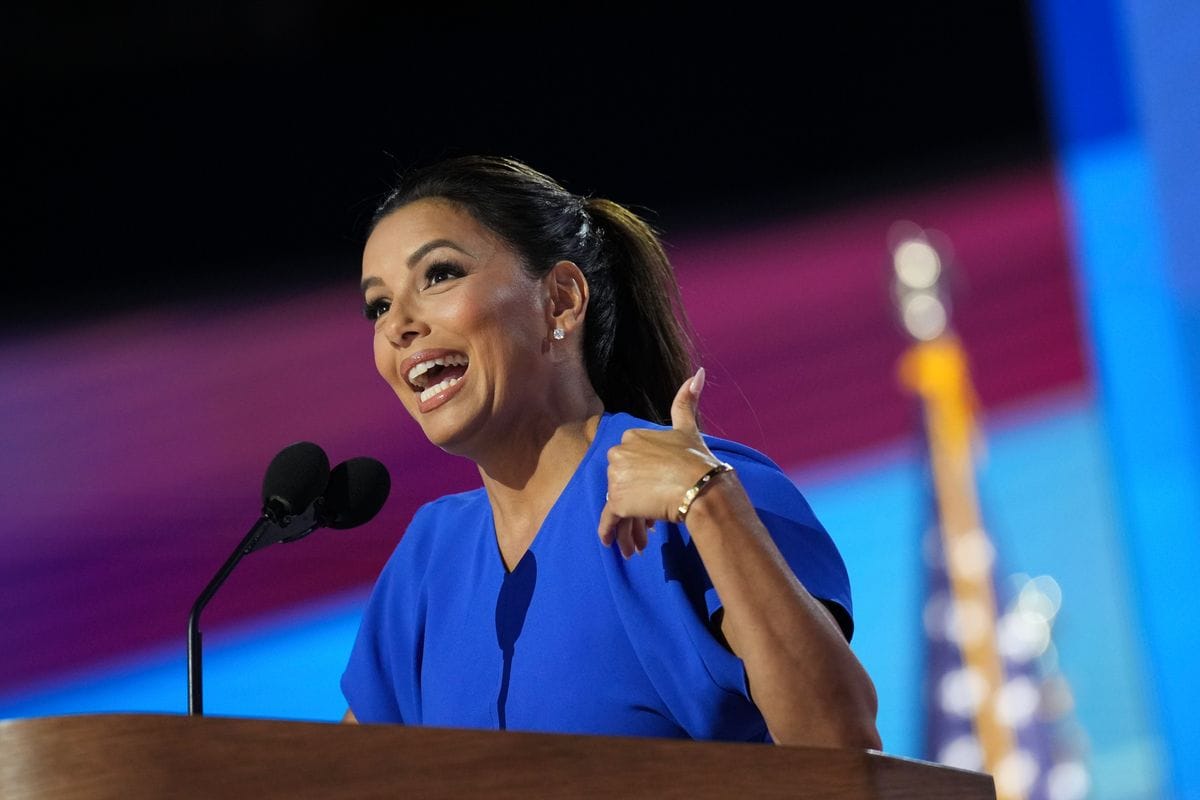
(971, 555)
(919, 261)
(1067, 781)
(968, 622)
(1015, 774)
(917, 264)
(1022, 636)
(1017, 701)
(962, 752)
(924, 316)
(1041, 596)
(962, 691)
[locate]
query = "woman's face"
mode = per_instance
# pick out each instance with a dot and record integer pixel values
(461, 330)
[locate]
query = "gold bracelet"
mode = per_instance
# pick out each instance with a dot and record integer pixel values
(691, 494)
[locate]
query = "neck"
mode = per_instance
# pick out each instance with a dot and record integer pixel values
(525, 476)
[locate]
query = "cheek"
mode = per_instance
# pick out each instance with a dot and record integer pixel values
(458, 314)
(492, 323)
(513, 312)
(385, 360)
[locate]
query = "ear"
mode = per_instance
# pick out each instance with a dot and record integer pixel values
(568, 294)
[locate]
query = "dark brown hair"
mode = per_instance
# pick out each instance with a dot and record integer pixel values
(636, 344)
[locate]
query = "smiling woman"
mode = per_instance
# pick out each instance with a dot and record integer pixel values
(540, 334)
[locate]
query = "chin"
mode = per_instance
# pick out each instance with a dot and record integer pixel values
(447, 431)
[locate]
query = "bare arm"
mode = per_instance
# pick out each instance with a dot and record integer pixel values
(349, 719)
(808, 684)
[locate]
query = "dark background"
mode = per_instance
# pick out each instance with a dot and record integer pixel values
(165, 153)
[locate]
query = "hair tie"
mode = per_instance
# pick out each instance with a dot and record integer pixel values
(585, 227)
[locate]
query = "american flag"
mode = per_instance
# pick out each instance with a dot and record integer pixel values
(1044, 758)
(994, 700)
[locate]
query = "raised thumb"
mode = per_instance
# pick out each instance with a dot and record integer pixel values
(687, 400)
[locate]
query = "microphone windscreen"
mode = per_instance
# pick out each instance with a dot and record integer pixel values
(357, 490)
(295, 478)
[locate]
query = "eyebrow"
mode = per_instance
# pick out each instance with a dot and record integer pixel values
(416, 257)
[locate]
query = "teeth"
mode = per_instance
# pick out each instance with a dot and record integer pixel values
(439, 387)
(442, 361)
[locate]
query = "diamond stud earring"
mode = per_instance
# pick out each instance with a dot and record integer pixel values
(559, 334)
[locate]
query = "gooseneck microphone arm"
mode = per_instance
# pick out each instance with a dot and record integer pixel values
(295, 478)
(300, 494)
(195, 674)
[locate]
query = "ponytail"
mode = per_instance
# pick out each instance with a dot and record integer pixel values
(636, 346)
(639, 359)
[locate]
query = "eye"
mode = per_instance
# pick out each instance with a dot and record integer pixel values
(374, 309)
(438, 273)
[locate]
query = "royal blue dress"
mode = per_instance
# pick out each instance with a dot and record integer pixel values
(575, 639)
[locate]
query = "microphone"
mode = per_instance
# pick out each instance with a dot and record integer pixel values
(294, 479)
(356, 491)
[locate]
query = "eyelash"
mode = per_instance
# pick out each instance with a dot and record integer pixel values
(443, 268)
(375, 309)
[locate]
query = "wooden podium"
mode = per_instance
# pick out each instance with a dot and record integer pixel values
(150, 756)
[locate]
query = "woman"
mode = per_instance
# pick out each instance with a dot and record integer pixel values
(535, 332)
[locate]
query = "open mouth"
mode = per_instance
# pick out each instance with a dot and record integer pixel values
(435, 375)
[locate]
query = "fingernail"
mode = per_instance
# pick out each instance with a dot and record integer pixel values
(698, 381)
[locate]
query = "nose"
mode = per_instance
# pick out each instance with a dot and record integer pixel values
(402, 327)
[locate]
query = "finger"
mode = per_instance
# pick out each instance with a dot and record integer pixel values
(624, 537)
(687, 400)
(639, 535)
(607, 529)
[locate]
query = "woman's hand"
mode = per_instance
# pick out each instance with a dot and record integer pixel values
(650, 471)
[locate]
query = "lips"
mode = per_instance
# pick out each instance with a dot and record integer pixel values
(434, 375)
(426, 369)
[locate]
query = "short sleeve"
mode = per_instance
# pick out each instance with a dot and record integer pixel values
(800, 537)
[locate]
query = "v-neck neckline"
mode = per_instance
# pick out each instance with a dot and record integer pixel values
(588, 454)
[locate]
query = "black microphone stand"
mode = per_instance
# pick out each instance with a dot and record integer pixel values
(194, 654)
(296, 478)
(353, 493)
